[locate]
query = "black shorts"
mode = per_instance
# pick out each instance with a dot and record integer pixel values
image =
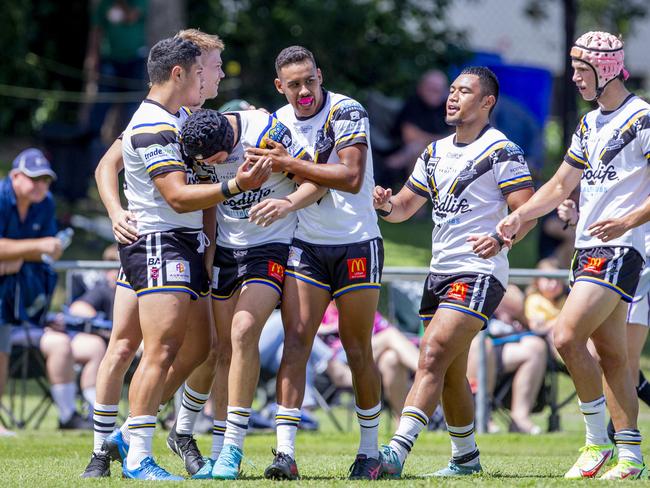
(234, 268)
(616, 268)
(121, 279)
(337, 269)
(477, 295)
(165, 262)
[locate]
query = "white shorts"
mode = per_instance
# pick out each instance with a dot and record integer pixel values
(639, 310)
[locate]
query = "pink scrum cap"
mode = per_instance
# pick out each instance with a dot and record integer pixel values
(603, 52)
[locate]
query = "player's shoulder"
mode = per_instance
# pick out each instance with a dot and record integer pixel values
(343, 107)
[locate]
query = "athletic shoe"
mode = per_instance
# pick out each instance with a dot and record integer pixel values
(184, 445)
(205, 473)
(76, 422)
(115, 446)
(228, 464)
(626, 470)
(592, 459)
(99, 466)
(149, 470)
(283, 467)
(365, 468)
(391, 466)
(454, 469)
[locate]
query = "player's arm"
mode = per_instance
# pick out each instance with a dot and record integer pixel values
(609, 229)
(106, 176)
(396, 208)
(272, 209)
(210, 230)
(547, 198)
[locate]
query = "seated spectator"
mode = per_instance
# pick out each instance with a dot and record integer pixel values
(27, 237)
(421, 121)
(516, 350)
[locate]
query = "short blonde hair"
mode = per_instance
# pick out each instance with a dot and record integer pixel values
(205, 42)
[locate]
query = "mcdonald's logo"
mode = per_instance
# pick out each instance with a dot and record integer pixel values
(458, 291)
(594, 265)
(357, 268)
(276, 271)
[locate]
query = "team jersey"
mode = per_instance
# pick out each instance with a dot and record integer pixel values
(339, 217)
(150, 148)
(468, 185)
(233, 227)
(612, 149)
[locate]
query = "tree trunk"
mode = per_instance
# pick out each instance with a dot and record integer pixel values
(166, 18)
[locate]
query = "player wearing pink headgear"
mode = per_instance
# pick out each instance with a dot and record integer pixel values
(608, 157)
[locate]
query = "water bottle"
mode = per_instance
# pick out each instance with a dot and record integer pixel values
(65, 236)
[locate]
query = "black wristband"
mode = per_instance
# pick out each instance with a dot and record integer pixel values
(225, 190)
(497, 238)
(385, 213)
(238, 187)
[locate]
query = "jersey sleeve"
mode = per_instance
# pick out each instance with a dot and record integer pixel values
(350, 126)
(278, 132)
(576, 156)
(643, 135)
(510, 169)
(158, 148)
(417, 182)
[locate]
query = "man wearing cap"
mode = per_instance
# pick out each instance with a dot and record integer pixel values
(608, 157)
(27, 230)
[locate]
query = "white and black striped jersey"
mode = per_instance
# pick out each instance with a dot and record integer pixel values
(468, 185)
(339, 217)
(613, 150)
(150, 147)
(233, 227)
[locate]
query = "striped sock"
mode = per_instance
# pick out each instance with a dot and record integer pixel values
(104, 418)
(628, 442)
(286, 426)
(411, 423)
(369, 424)
(463, 444)
(596, 426)
(218, 432)
(142, 428)
(237, 426)
(191, 405)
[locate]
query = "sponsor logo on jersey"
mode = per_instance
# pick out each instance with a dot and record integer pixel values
(458, 291)
(616, 142)
(450, 205)
(276, 271)
(431, 166)
(323, 142)
(468, 172)
(178, 271)
(594, 265)
(239, 205)
(152, 154)
(600, 175)
(153, 261)
(357, 268)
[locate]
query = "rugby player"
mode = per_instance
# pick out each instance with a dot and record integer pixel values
(472, 178)
(608, 157)
(337, 252)
(252, 249)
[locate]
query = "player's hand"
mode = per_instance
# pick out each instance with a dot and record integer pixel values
(11, 266)
(124, 230)
(274, 151)
(568, 212)
(252, 174)
(380, 197)
(484, 246)
(609, 229)
(269, 210)
(508, 228)
(52, 247)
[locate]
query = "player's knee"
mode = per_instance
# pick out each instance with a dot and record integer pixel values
(431, 356)
(299, 344)
(566, 343)
(122, 352)
(244, 336)
(165, 352)
(388, 361)
(359, 357)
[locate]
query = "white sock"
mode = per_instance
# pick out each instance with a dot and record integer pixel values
(104, 418)
(237, 426)
(142, 428)
(463, 443)
(218, 432)
(628, 442)
(411, 423)
(286, 426)
(90, 395)
(369, 424)
(63, 395)
(595, 422)
(126, 433)
(191, 405)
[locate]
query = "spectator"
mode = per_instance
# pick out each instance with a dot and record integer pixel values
(27, 230)
(514, 350)
(421, 120)
(557, 234)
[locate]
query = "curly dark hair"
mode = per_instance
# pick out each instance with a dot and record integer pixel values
(166, 54)
(293, 54)
(205, 133)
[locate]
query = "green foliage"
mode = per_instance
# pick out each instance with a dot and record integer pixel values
(360, 45)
